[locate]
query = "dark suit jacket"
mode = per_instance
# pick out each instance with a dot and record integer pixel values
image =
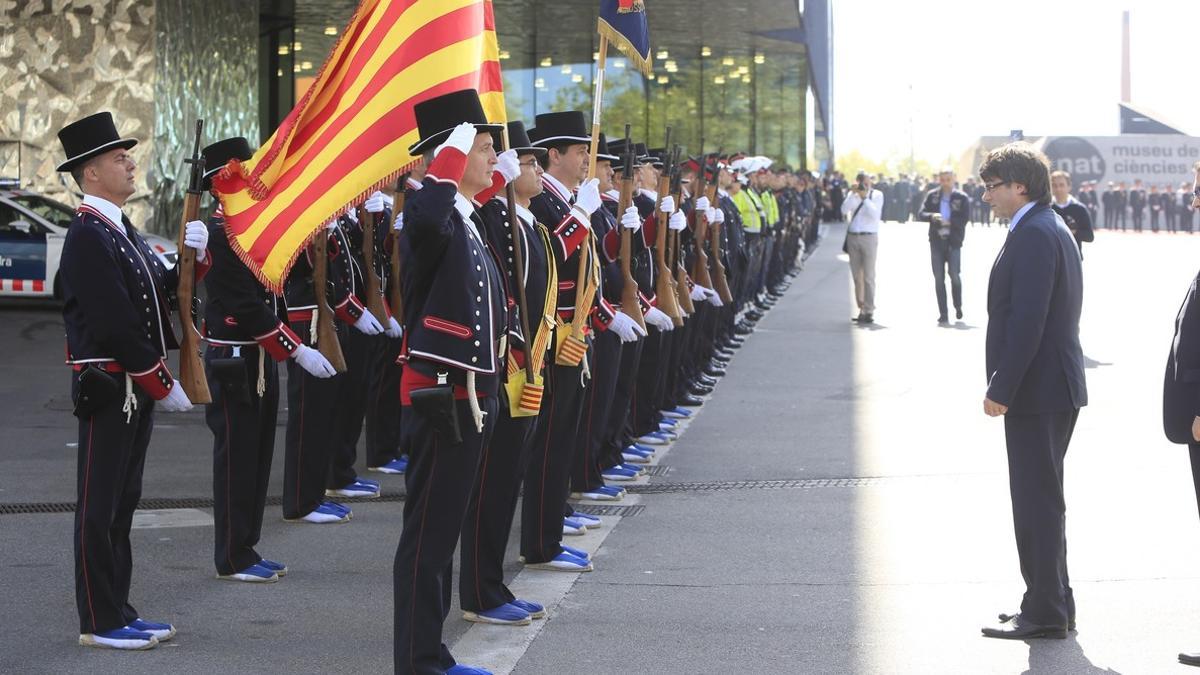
(960, 212)
(1181, 383)
(1034, 360)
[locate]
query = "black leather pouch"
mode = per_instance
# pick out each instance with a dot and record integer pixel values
(231, 374)
(437, 405)
(96, 390)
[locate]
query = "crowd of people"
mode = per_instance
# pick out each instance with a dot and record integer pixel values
(555, 313)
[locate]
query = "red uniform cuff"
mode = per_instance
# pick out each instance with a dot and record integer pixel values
(492, 190)
(156, 382)
(570, 234)
(350, 311)
(448, 166)
(279, 343)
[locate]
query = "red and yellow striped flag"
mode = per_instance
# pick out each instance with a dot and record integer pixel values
(349, 134)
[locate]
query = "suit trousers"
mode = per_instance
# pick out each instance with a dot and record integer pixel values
(593, 423)
(243, 428)
(383, 402)
(547, 475)
(943, 255)
(308, 442)
(862, 249)
(439, 482)
(1194, 453)
(350, 407)
(1037, 445)
(111, 455)
(490, 513)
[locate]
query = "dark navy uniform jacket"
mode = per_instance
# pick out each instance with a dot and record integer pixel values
(239, 309)
(455, 306)
(352, 235)
(298, 289)
(494, 216)
(117, 300)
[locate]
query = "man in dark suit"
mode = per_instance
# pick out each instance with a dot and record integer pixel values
(1137, 204)
(1035, 379)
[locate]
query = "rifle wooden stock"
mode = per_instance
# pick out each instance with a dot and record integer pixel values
(191, 367)
(327, 339)
(664, 286)
(719, 280)
(629, 289)
(370, 221)
(683, 293)
(395, 295)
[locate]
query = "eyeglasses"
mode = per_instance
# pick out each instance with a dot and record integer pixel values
(994, 186)
(531, 163)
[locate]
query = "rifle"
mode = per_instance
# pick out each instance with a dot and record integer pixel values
(665, 281)
(370, 221)
(701, 228)
(514, 228)
(395, 296)
(719, 280)
(327, 339)
(679, 284)
(191, 367)
(629, 290)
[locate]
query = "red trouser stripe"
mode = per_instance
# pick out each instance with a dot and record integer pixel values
(87, 475)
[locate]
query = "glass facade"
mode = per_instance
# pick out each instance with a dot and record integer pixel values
(733, 89)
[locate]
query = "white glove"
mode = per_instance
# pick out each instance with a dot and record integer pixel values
(367, 324)
(195, 235)
(352, 214)
(715, 216)
(398, 222)
(508, 165)
(387, 199)
(313, 362)
(657, 318)
(176, 400)
(375, 203)
(678, 221)
(667, 205)
(393, 330)
(461, 139)
(702, 204)
(624, 326)
(698, 294)
(631, 220)
(587, 199)
(713, 297)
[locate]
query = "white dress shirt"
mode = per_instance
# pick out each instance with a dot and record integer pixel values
(868, 218)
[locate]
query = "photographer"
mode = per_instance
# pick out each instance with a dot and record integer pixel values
(947, 210)
(863, 207)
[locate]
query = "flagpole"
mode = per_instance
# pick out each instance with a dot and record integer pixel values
(597, 102)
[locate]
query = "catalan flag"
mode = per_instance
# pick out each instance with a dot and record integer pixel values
(623, 22)
(349, 134)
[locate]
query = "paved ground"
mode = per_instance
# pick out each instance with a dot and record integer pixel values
(750, 563)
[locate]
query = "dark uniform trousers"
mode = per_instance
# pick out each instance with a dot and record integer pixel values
(650, 382)
(350, 406)
(593, 425)
(439, 481)
(679, 367)
(548, 473)
(1037, 445)
(619, 433)
(243, 427)
(491, 511)
(112, 454)
(383, 404)
(310, 435)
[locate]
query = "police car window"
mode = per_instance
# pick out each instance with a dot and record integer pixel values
(51, 211)
(8, 228)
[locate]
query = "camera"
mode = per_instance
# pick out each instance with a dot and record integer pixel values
(861, 180)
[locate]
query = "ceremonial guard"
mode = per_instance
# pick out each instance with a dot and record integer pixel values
(312, 400)
(455, 318)
(116, 297)
(246, 330)
(566, 208)
(482, 594)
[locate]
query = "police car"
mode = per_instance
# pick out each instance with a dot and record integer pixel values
(32, 231)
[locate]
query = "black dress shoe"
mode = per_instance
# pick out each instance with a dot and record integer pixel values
(690, 401)
(1192, 659)
(700, 390)
(706, 381)
(958, 312)
(721, 360)
(1017, 628)
(943, 320)
(714, 372)
(1005, 618)
(743, 330)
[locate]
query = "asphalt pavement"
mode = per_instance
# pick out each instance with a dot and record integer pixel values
(839, 505)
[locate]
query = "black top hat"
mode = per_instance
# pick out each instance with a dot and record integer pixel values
(560, 128)
(217, 155)
(602, 153)
(518, 140)
(89, 137)
(657, 157)
(438, 116)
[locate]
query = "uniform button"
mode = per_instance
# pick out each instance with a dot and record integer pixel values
(474, 359)
(478, 327)
(478, 268)
(476, 312)
(474, 252)
(481, 284)
(478, 299)
(145, 297)
(477, 343)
